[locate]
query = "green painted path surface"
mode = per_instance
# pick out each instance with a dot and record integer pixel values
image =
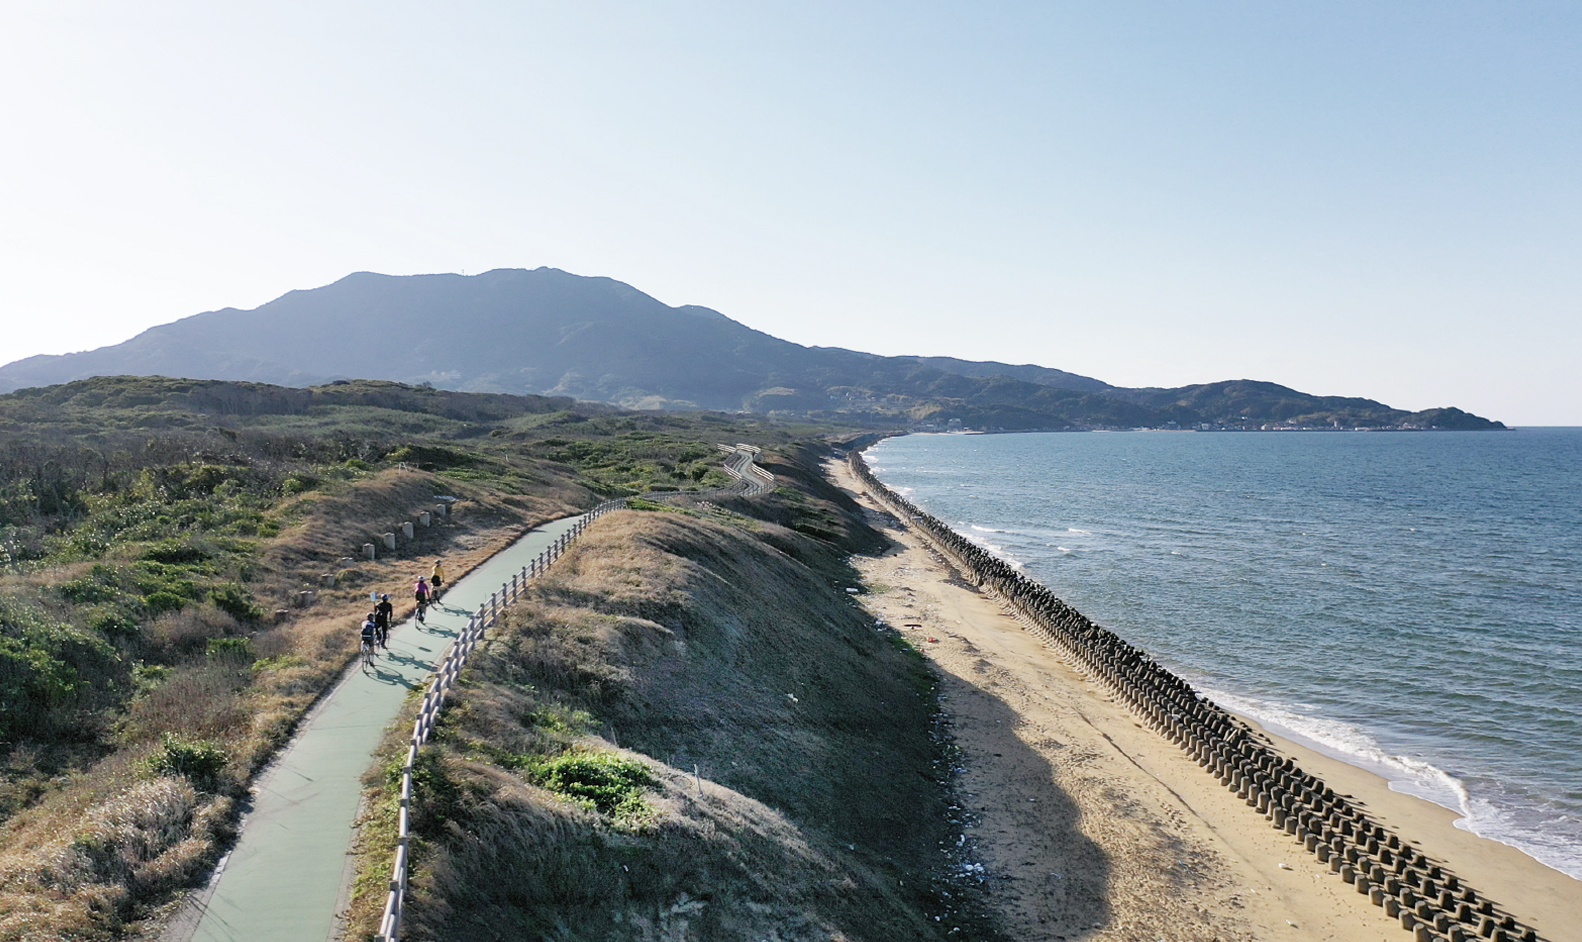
(283, 879)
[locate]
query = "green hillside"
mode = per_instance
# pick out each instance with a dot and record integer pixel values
(164, 610)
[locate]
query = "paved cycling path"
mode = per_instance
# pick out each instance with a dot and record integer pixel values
(283, 879)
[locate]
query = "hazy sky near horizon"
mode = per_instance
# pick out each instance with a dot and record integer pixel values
(1370, 199)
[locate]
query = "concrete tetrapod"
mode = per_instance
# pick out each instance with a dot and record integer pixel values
(283, 879)
(1327, 825)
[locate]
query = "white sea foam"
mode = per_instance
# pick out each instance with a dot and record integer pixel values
(1079, 532)
(994, 548)
(1537, 839)
(1351, 744)
(1412, 776)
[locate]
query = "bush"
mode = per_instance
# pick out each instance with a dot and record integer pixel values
(432, 457)
(101, 584)
(161, 602)
(165, 587)
(604, 781)
(176, 552)
(233, 600)
(198, 760)
(47, 669)
(113, 624)
(230, 649)
(637, 503)
(298, 483)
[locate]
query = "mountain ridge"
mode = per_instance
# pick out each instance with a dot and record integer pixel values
(549, 332)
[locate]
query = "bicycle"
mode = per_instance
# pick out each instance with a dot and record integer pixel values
(422, 607)
(369, 635)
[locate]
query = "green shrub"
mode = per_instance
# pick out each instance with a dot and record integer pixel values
(637, 503)
(85, 543)
(47, 668)
(101, 584)
(113, 624)
(146, 678)
(165, 587)
(298, 483)
(177, 552)
(604, 781)
(233, 599)
(158, 603)
(230, 648)
(180, 482)
(432, 457)
(199, 760)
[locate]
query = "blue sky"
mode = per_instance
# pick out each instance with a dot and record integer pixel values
(1354, 199)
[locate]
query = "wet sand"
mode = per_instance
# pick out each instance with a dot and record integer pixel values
(1090, 826)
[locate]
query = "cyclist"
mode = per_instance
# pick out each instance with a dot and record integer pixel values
(383, 612)
(436, 577)
(421, 593)
(370, 633)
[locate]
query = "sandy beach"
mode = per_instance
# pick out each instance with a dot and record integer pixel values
(1090, 826)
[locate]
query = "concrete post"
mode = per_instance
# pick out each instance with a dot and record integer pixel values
(389, 541)
(368, 551)
(327, 578)
(425, 519)
(406, 529)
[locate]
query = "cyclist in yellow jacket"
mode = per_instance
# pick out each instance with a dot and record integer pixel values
(436, 577)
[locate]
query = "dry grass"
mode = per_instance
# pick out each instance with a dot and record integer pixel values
(149, 839)
(687, 643)
(95, 850)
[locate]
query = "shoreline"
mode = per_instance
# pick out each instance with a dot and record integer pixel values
(1396, 660)
(1333, 754)
(1254, 882)
(1534, 891)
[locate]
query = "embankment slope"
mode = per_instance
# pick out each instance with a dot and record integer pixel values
(799, 788)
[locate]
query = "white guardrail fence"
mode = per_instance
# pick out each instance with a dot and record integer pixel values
(750, 480)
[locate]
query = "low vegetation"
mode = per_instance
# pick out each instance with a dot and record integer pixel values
(179, 562)
(687, 729)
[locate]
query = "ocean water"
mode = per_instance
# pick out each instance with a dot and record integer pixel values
(1407, 602)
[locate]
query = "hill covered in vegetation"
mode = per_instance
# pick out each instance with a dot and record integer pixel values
(180, 571)
(549, 332)
(687, 729)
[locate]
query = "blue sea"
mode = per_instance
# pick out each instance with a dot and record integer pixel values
(1405, 601)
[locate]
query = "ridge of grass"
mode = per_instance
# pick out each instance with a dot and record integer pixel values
(155, 536)
(687, 729)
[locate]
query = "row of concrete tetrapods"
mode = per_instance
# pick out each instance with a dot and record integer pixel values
(1428, 900)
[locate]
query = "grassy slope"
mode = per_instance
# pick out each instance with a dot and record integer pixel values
(714, 644)
(154, 536)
